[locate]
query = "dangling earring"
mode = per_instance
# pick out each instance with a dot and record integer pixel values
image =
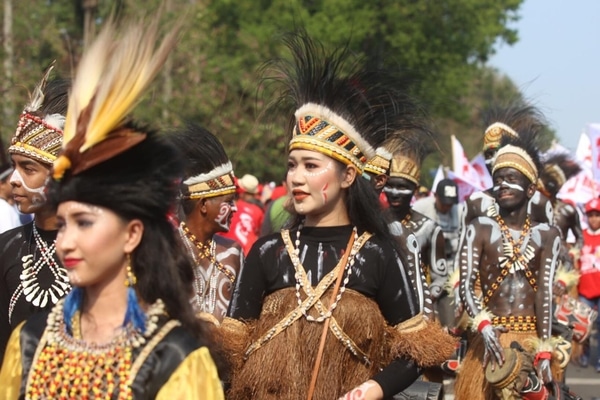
(131, 280)
(134, 314)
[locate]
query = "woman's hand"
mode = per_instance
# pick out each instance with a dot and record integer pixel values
(370, 390)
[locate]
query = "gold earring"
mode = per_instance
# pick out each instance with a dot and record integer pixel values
(131, 278)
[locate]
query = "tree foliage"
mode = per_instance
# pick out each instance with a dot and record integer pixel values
(213, 76)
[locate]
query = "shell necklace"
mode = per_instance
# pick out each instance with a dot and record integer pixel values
(30, 284)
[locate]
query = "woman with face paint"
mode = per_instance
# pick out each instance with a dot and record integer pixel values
(323, 310)
(127, 329)
(31, 277)
(207, 207)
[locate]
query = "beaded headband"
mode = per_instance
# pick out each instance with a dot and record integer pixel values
(515, 157)
(405, 167)
(218, 182)
(494, 133)
(36, 137)
(380, 164)
(320, 129)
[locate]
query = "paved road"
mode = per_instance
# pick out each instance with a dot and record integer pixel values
(585, 382)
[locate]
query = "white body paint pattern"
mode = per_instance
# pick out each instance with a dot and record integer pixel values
(38, 195)
(427, 232)
(470, 257)
(222, 218)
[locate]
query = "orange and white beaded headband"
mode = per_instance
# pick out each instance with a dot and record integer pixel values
(37, 138)
(515, 157)
(494, 133)
(405, 167)
(218, 182)
(320, 129)
(380, 164)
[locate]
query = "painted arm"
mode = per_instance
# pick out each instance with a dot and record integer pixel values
(543, 302)
(439, 267)
(468, 261)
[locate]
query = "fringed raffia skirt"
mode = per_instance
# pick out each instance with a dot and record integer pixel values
(471, 383)
(281, 368)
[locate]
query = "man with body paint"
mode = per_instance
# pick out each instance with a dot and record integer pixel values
(401, 185)
(208, 206)
(559, 168)
(31, 277)
(512, 259)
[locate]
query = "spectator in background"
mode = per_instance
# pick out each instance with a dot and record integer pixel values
(589, 267)
(277, 212)
(9, 217)
(247, 221)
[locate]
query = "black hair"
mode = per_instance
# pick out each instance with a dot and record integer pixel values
(524, 118)
(202, 152)
(141, 183)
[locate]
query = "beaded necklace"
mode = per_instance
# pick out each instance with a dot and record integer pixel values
(302, 280)
(205, 290)
(513, 259)
(30, 284)
(66, 366)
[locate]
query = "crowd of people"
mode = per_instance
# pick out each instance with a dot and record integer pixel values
(148, 269)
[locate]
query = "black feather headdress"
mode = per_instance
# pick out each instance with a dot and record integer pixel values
(558, 168)
(514, 120)
(339, 109)
(519, 152)
(208, 171)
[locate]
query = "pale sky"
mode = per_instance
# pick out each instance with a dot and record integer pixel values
(556, 62)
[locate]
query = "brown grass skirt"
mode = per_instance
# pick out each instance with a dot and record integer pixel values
(281, 369)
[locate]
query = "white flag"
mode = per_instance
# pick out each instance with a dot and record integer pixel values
(439, 175)
(594, 135)
(583, 154)
(462, 168)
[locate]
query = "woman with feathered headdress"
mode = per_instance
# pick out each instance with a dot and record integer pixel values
(126, 330)
(325, 310)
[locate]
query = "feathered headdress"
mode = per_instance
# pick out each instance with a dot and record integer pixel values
(339, 109)
(39, 135)
(110, 80)
(513, 120)
(558, 168)
(409, 151)
(208, 171)
(107, 160)
(520, 153)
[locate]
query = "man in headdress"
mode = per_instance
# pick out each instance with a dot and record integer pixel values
(513, 258)
(31, 278)
(558, 168)
(207, 202)
(405, 171)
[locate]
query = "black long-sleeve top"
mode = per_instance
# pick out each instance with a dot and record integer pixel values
(377, 273)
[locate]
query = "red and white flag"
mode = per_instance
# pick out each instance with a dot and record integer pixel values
(594, 135)
(485, 179)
